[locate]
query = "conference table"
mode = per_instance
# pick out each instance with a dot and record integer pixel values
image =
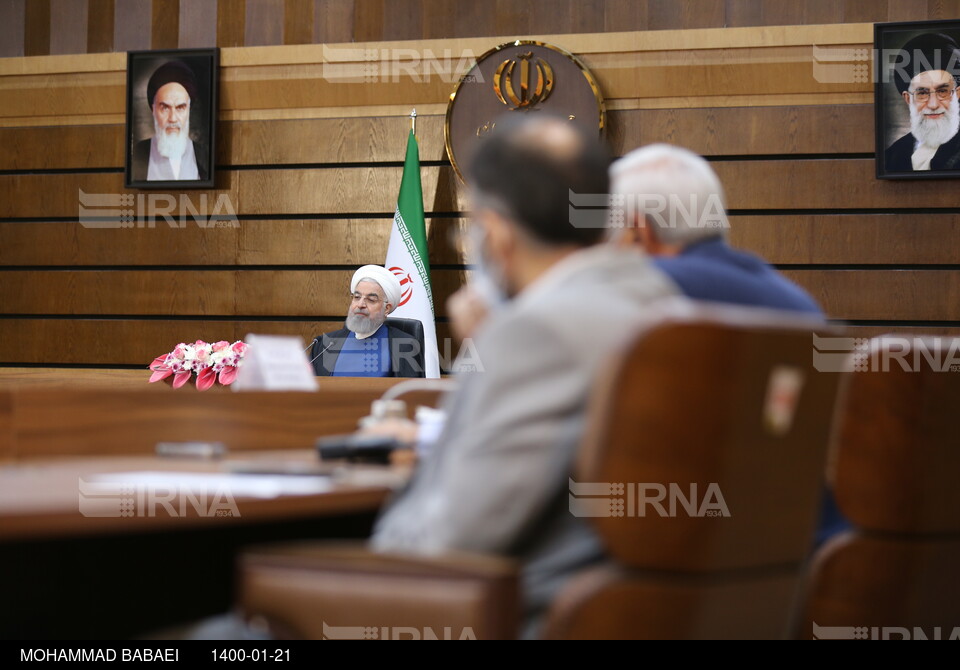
(117, 547)
(101, 537)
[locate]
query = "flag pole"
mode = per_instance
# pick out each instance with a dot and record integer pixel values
(413, 121)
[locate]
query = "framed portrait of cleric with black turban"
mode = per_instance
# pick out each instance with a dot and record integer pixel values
(171, 118)
(917, 100)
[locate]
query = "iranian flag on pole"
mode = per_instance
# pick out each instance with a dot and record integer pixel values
(407, 257)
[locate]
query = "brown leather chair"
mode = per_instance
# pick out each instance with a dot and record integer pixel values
(896, 466)
(721, 399)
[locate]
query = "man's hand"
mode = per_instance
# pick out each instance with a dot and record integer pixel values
(467, 311)
(403, 431)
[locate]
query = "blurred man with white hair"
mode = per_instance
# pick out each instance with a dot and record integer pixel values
(673, 206)
(367, 346)
(669, 201)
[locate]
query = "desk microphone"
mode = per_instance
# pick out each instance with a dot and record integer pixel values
(322, 351)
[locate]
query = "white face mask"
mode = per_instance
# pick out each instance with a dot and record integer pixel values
(486, 279)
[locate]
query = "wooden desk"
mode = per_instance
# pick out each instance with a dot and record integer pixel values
(137, 380)
(70, 576)
(42, 416)
(40, 499)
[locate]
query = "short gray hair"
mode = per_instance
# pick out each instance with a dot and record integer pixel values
(674, 188)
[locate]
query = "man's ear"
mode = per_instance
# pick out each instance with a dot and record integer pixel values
(906, 97)
(647, 234)
(500, 235)
(388, 307)
(630, 236)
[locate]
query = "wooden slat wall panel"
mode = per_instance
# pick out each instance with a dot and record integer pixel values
(272, 22)
(298, 22)
(264, 23)
(12, 27)
(6, 426)
(198, 24)
(343, 140)
(165, 26)
(62, 147)
(917, 295)
(728, 71)
(36, 40)
(884, 295)
(130, 342)
(332, 21)
(312, 191)
(906, 331)
(711, 132)
(231, 22)
(303, 293)
(100, 24)
(137, 342)
(793, 155)
(132, 25)
(252, 242)
(403, 19)
(850, 239)
(825, 184)
(368, 20)
(68, 26)
(840, 184)
(786, 239)
(743, 131)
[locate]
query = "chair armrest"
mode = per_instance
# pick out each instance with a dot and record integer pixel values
(324, 590)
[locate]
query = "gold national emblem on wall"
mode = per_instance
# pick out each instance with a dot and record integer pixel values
(522, 77)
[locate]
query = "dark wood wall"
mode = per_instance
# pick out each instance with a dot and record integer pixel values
(41, 27)
(311, 165)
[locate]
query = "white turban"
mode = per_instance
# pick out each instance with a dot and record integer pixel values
(387, 280)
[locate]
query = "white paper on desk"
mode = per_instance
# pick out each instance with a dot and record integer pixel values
(216, 483)
(275, 363)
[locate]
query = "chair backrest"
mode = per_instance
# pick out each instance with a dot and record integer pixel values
(896, 472)
(413, 328)
(702, 470)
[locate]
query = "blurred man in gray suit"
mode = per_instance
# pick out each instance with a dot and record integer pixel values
(497, 480)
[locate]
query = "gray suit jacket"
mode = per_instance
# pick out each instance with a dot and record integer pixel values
(497, 480)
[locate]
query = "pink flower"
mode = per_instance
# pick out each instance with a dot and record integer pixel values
(227, 375)
(180, 378)
(159, 363)
(205, 379)
(212, 363)
(160, 374)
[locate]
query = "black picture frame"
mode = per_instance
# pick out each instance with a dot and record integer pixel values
(895, 142)
(144, 167)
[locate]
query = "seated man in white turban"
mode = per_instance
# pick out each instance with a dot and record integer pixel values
(367, 346)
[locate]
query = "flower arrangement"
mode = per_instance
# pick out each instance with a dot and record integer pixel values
(217, 362)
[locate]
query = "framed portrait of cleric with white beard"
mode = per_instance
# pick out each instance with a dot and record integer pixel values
(171, 118)
(917, 100)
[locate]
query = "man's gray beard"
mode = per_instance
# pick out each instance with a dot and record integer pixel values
(364, 325)
(934, 133)
(172, 145)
